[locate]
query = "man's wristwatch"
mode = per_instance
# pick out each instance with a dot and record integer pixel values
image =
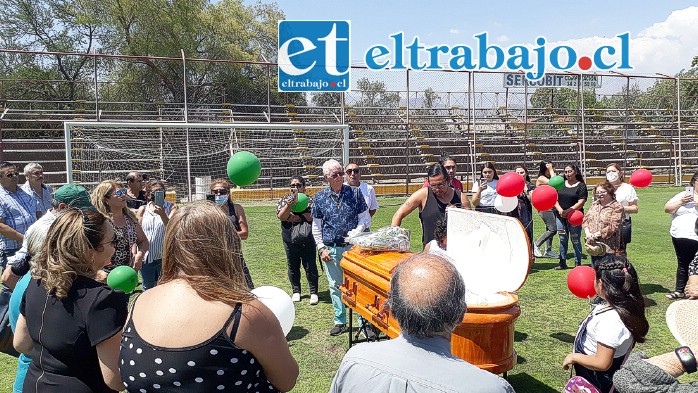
(687, 359)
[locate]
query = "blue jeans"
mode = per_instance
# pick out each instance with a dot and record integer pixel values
(334, 277)
(151, 273)
(573, 233)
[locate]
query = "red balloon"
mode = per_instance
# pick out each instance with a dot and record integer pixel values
(641, 178)
(580, 281)
(510, 184)
(544, 198)
(575, 218)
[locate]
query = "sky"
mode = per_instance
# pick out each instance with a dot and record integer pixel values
(663, 33)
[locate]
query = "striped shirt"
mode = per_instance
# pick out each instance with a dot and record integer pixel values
(18, 211)
(44, 200)
(154, 230)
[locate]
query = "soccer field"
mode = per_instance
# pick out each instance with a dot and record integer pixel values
(549, 312)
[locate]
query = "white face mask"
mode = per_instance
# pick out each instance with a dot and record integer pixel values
(221, 199)
(612, 176)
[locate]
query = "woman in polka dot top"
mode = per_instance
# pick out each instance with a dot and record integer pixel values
(200, 329)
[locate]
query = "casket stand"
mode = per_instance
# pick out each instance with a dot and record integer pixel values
(485, 338)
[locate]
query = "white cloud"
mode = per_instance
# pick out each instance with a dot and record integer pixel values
(665, 47)
(454, 31)
(503, 38)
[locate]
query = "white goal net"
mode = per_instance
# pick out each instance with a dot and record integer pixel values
(188, 156)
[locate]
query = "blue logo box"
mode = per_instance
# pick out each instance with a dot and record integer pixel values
(314, 56)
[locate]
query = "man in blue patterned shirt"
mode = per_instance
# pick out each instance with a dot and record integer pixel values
(18, 210)
(338, 211)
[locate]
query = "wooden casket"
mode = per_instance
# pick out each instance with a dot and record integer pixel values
(485, 338)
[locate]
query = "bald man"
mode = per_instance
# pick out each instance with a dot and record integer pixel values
(427, 297)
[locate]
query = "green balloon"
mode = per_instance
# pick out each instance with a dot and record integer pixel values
(244, 168)
(123, 278)
(556, 182)
(301, 203)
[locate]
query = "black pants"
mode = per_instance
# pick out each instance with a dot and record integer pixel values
(685, 252)
(297, 254)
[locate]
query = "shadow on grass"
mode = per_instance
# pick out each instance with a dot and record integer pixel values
(564, 337)
(525, 383)
(520, 359)
(296, 333)
(649, 289)
(520, 336)
(538, 266)
(650, 302)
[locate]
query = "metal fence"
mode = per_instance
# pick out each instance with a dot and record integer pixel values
(400, 120)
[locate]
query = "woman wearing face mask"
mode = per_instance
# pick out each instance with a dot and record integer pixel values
(602, 221)
(220, 189)
(625, 195)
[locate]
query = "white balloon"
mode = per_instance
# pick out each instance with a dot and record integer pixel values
(280, 303)
(505, 204)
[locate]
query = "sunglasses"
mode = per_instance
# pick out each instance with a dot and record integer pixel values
(120, 192)
(350, 171)
(114, 241)
(11, 174)
(296, 185)
(219, 191)
(335, 175)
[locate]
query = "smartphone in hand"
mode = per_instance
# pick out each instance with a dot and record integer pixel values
(483, 182)
(690, 191)
(159, 198)
(211, 197)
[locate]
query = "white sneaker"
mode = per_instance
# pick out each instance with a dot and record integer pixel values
(296, 297)
(536, 251)
(313, 299)
(551, 254)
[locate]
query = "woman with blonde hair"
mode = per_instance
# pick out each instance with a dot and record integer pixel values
(220, 189)
(109, 197)
(70, 323)
(239, 345)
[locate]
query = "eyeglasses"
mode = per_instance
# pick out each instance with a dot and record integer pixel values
(449, 167)
(335, 175)
(120, 192)
(350, 171)
(11, 174)
(296, 185)
(219, 191)
(438, 185)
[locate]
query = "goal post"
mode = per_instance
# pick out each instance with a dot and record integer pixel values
(188, 156)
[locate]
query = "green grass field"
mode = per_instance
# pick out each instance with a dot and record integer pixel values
(549, 312)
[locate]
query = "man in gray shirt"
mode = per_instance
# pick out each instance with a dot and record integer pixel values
(428, 301)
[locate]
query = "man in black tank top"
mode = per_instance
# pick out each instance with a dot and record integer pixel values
(432, 202)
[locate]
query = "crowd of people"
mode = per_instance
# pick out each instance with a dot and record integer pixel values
(75, 333)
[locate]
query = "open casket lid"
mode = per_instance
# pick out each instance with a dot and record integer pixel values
(490, 251)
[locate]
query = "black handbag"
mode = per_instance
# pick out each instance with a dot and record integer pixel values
(626, 230)
(6, 335)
